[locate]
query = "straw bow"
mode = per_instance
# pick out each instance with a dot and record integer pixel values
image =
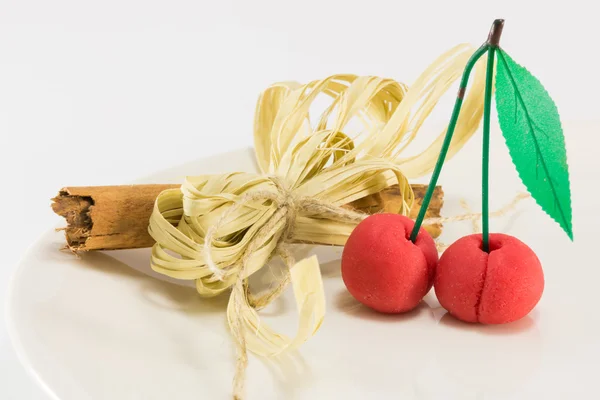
(219, 229)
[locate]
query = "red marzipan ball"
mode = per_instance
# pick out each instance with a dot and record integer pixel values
(498, 287)
(383, 269)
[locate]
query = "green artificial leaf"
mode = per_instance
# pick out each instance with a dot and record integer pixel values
(531, 127)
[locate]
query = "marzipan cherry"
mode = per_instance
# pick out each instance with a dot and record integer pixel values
(498, 287)
(383, 269)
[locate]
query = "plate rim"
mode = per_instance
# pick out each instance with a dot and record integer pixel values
(9, 308)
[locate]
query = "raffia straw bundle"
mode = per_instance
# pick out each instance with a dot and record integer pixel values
(220, 229)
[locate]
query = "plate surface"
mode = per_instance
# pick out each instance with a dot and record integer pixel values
(104, 326)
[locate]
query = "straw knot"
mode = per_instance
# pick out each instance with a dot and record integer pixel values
(279, 225)
(289, 203)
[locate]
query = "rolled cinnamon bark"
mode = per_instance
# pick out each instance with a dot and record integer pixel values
(117, 217)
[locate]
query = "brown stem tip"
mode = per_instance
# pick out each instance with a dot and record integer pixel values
(495, 33)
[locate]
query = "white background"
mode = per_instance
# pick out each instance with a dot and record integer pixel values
(103, 92)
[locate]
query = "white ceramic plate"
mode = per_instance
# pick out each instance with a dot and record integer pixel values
(105, 327)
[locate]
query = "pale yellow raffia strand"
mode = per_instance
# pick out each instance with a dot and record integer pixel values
(475, 221)
(219, 229)
(473, 216)
(241, 313)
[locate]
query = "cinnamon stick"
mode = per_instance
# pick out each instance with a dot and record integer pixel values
(116, 217)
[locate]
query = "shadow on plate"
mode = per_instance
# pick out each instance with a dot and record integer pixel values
(331, 269)
(163, 294)
(290, 372)
(344, 302)
(517, 327)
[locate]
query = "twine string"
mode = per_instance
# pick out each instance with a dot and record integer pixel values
(289, 207)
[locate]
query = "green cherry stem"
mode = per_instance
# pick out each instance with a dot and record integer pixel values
(493, 42)
(447, 139)
(485, 159)
(489, 46)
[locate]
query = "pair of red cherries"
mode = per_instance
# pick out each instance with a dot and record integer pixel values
(386, 271)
